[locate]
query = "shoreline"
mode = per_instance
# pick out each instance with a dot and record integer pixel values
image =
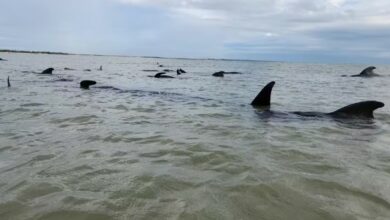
(184, 58)
(151, 57)
(34, 52)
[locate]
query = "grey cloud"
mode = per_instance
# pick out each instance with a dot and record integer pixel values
(232, 28)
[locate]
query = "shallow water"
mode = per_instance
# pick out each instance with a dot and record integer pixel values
(190, 147)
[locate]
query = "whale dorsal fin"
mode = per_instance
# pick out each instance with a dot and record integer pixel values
(86, 83)
(367, 71)
(264, 97)
(160, 74)
(48, 71)
(361, 109)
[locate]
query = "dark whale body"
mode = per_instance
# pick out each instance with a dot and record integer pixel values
(86, 83)
(48, 71)
(219, 74)
(180, 71)
(226, 73)
(8, 83)
(367, 72)
(162, 75)
(1, 59)
(363, 109)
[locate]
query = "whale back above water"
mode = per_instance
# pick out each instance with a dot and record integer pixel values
(367, 72)
(162, 75)
(263, 99)
(219, 74)
(362, 109)
(86, 83)
(48, 71)
(180, 71)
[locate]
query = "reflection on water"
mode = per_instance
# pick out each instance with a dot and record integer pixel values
(135, 147)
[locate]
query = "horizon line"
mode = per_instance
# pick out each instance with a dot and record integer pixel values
(178, 58)
(116, 55)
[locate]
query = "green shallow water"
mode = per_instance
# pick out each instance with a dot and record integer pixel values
(190, 147)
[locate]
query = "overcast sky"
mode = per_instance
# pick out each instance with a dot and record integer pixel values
(353, 31)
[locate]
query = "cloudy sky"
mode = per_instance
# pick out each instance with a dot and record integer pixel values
(331, 31)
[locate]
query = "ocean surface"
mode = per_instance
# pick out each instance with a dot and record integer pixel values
(135, 147)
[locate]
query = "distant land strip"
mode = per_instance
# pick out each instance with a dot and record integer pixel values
(152, 57)
(39, 52)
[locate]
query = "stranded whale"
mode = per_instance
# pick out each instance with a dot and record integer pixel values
(363, 109)
(48, 71)
(86, 83)
(219, 74)
(180, 71)
(162, 75)
(367, 72)
(225, 73)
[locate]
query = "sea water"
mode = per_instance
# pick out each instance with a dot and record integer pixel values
(136, 147)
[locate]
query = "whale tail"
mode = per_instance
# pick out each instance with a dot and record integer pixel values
(363, 109)
(86, 83)
(9, 84)
(264, 97)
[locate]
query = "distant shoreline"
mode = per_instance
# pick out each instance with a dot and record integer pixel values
(151, 57)
(182, 58)
(34, 52)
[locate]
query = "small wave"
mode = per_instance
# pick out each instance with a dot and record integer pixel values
(86, 119)
(31, 104)
(74, 215)
(37, 190)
